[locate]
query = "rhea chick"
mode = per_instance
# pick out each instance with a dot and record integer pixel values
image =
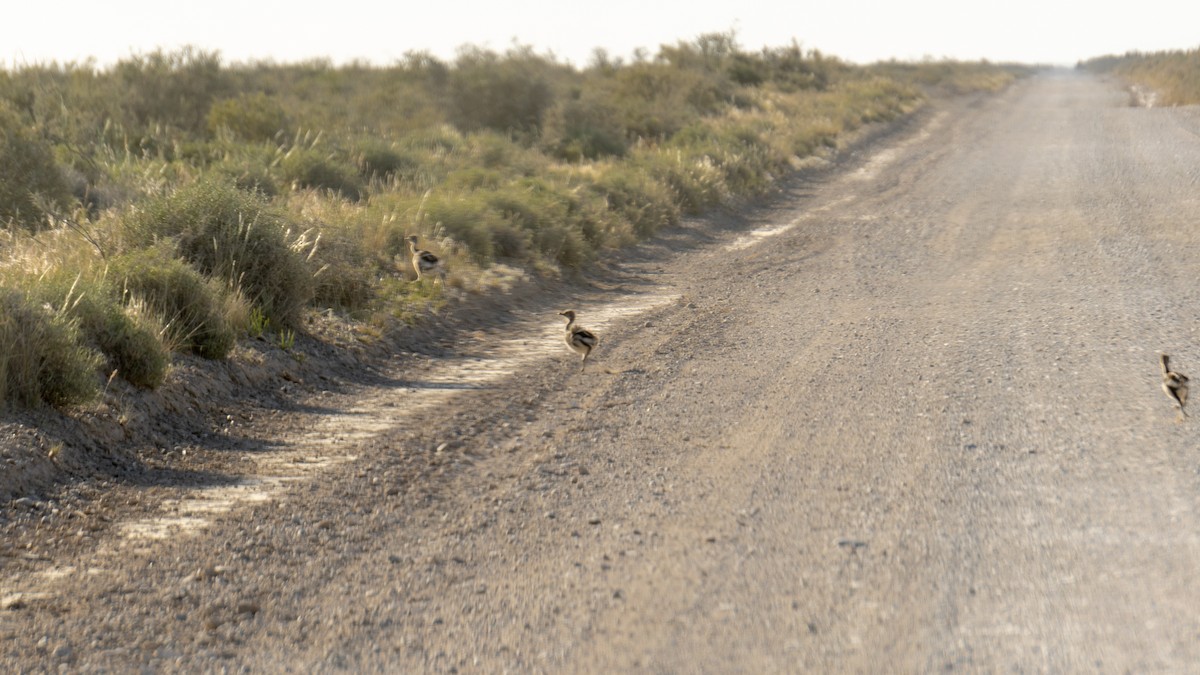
(1175, 385)
(425, 262)
(581, 340)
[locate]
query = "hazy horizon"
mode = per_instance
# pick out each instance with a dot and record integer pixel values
(860, 31)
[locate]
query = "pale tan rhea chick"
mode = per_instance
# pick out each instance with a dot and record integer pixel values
(581, 340)
(425, 262)
(1175, 385)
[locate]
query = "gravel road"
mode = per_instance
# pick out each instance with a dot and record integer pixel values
(905, 418)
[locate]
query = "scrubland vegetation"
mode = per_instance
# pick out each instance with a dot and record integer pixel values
(174, 203)
(1174, 76)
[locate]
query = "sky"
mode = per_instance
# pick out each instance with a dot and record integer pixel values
(382, 32)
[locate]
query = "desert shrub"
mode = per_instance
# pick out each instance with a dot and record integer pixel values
(563, 245)
(310, 168)
(704, 92)
(199, 153)
(948, 77)
(650, 99)
(176, 88)
(249, 176)
(249, 117)
(1173, 75)
(808, 137)
(128, 337)
(348, 245)
(191, 307)
(587, 127)
(875, 99)
(475, 178)
(509, 94)
(438, 141)
(42, 359)
(249, 166)
(131, 337)
(589, 215)
(747, 167)
(550, 215)
(495, 151)
(379, 160)
(646, 204)
(343, 276)
(27, 172)
(792, 69)
(747, 70)
(694, 180)
(467, 219)
(234, 236)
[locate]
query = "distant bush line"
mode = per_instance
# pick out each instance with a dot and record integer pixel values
(174, 203)
(1174, 76)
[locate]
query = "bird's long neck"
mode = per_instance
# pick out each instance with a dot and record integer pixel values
(570, 323)
(1164, 359)
(412, 247)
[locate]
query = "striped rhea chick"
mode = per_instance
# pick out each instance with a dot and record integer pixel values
(425, 262)
(1175, 385)
(581, 340)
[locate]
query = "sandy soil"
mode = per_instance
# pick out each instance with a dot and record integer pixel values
(904, 417)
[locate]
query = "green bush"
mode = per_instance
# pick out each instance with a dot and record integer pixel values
(807, 138)
(250, 117)
(249, 176)
(344, 277)
(793, 69)
(695, 181)
(1173, 76)
(747, 70)
(657, 100)
(585, 128)
(172, 88)
(646, 204)
(475, 178)
(130, 339)
(191, 307)
(551, 215)
(468, 220)
(27, 172)
(309, 168)
(510, 94)
(249, 166)
(42, 359)
(563, 245)
(378, 160)
(234, 236)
